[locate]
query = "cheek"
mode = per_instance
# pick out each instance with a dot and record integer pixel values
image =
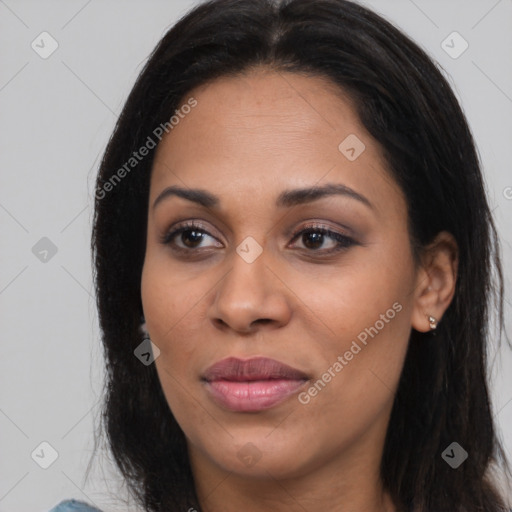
(364, 312)
(353, 297)
(170, 298)
(172, 306)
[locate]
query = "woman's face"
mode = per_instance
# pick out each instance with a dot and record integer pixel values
(335, 307)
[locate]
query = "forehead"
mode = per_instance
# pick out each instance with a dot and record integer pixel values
(265, 131)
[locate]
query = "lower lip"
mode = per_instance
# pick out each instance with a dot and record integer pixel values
(253, 395)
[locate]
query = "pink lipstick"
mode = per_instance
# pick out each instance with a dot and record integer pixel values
(253, 384)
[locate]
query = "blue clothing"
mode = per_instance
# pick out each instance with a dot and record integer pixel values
(74, 506)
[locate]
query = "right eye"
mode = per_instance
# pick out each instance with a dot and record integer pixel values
(191, 235)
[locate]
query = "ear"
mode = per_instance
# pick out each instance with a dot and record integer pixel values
(435, 282)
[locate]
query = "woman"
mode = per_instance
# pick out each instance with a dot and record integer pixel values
(294, 257)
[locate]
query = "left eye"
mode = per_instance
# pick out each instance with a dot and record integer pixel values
(313, 238)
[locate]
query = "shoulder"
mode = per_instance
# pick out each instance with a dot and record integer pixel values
(74, 506)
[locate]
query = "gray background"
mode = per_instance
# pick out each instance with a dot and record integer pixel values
(56, 116)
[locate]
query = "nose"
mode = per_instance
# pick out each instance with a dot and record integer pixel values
(251, 296)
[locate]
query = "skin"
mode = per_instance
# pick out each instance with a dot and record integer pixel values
(248, 139)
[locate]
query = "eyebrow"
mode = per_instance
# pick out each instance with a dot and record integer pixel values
(286, 199)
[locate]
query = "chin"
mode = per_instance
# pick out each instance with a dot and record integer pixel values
(256, 454)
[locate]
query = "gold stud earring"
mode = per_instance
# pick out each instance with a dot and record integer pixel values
(432, 321)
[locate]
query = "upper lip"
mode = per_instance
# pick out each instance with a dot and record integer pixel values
(256, 368)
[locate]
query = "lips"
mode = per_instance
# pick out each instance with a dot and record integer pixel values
(253, 384)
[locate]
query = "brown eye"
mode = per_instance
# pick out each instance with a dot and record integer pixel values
(314, 238)
(190, 236)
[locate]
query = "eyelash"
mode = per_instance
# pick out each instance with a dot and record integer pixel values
(343, 241)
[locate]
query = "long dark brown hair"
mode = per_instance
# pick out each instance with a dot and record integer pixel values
(406, 104)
